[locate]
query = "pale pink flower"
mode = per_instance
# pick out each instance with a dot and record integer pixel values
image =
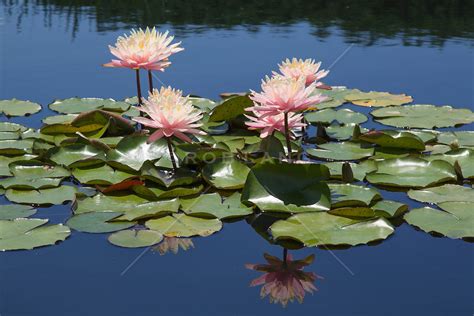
(282, 94)
(171, 114)
(267, 124)
(141, 49)
(284, 281)
(307, 69)
(173, 244)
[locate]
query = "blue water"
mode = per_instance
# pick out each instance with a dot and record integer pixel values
(411, 273)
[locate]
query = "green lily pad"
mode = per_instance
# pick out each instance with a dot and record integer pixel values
(455, 221)
(343, 195)
(98, 222)
(203, 104)
(77, 155)
(12, 127)
(24, 183)
(133, 238)
(16, 147)
(341, 151)
(461, 138)
(44, 196)
(359, 170)
(336, 96)
(157, 193)
(343, 132)
(227, 174)
(463, 156)
(13, 211)
(394, 139)
(168, 178)
(212, 205)
(374, 98)
(10, 135)
(321, 228)
(230, 108)
(100, 175)
(181, 225)
(79, 105)
(34, 169)
(16, 107)
(423, 116)
(150, 209)
(29, 233)
(389, 209)
(444, 193)
(59, 119)
(283, 187)
(118, 203)
(328, 116)
(6, 161)
(411, 172)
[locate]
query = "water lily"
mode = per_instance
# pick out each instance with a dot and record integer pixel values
(173, 244)
(171, 114)
(268, 124)
(143, 49)
(284, 280)
(307, 69)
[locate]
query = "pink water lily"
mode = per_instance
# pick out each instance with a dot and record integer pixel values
(307, 69)
(171, 114)
(268, 124)
(284, 281)
(144, 49)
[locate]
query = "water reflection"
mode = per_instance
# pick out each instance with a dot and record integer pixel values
(173, 244)
(284, 280)
(369, 22)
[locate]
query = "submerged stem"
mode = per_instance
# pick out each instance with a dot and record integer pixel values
(150, 81)
(285, 256)
(170, 148)
(287, 136)
(139, 89)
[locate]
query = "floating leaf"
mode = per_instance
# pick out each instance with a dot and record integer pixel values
(59, 119)
(359, 169)
(157, 193)
(181, 225)
(10, 135)
(204, 104)
(16, 107)
(228, 174)
(343, 195)
(463, 157)
(423, 116)
(321, 228)
(336, 96)
(389, 209)
(44, 196)
(328, 116)
(168, 178)
(76, 155)
(79, 105)
(341, 151)
(6, 161)
(411, 172)
(455, 221)
(12, 127)
(34, 169)
(444, 193)
(13, 211)
(16, 147)
(394, 139)
(461, 138)
(150, 209)
(212, 205)
(29, 233)
(283, 187)
(343, 132)
(24, 183)
(100, 175)
(135, 238)
(98, 222)
(230, 108)
(374, 98)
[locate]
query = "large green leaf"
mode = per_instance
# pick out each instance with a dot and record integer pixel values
(343, 195)
(98, 222)
(79, 105)
(444, 193)
(389, 209)
(100, 175)
(321, 228)
(374, 98)
(283, 187)
(328, 116)
(230, 108)
(394, 139)
(461, 138)
(6, 161)
(336, 96)
(341, 151)
(12, 211)
(359, 170)
(463, 156)
(133, 238)
(212, 205)
(116, 124)
(168, 178)
(12, 127)
(423, 116)
(44, 196)
(181, 225)
(150, 209)
(159, 193)
(411, 172)
(16, 147)
(76, 155)
(34, 169)
(25, 183)
(343, 132)
(16, 107)
(29, 233)
(455, 221)
(228, 174)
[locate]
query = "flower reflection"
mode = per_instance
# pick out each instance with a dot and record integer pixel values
(284, 280)
(173, 244)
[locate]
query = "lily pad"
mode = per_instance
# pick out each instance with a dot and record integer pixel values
(158, 193)
(283, 187)
(374, 98)
(394, 139)
(389, 209)
(168, 178)
(13, 211)
(423, 116)
(336, 96)
(341, 151)
(98, 222)
(411, 172)
(228, 174)
(133, 238)
(444, 193)
(343, 132)
(79, 105)
(44, 196)
(343, 195)
(181, 225)
(463, 157)
(34, 169)
(455, 221)
(461, 138)
(230, 108)
(24, 183)
(6, 161)
(203, 104)
(12, 127)
(59, 119)
(100, 175)
(16, 107)
(328, 116)
(212, 205)
(76, 155)
(321, 228)
(16, 147)
(359, 170)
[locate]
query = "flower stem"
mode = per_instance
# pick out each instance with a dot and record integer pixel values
(287, 136)
(150, 81)
(285, 256)
(139, 89)
(170, 148)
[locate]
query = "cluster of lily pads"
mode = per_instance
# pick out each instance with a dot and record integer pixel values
(94, 157)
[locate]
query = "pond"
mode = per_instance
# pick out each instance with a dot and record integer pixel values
(55, 49)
